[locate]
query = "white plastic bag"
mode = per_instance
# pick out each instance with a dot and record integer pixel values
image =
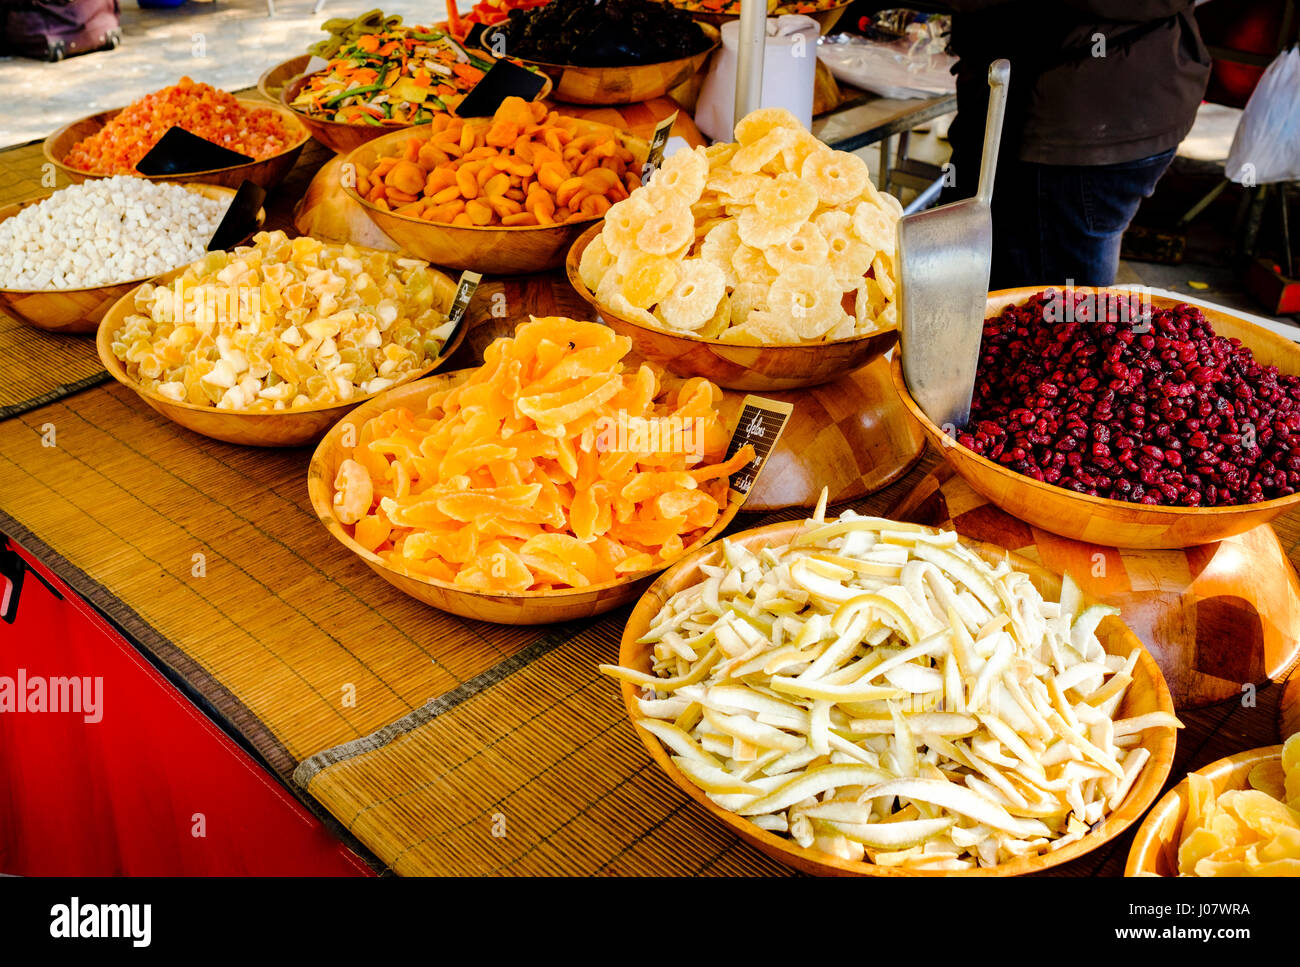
(1266, 147)
(904, 69)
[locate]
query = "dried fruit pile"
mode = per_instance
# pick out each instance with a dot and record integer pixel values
(1103, 405)
(401, 76)
(523, 167)
(284, 324)
(773, 240)
(513, 481)
(198, 108)
(603, 33)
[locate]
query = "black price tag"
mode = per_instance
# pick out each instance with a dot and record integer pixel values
(761, 422)
(180, 153)
(657, 143)
(505, 79)
(464, 295)
(240, 219)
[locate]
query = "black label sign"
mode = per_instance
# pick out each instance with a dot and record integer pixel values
(760, 424)
(178, 152)
(240, 219)
(657, 143)
(504, 79)
(464, 295)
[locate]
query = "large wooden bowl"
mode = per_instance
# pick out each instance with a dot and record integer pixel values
(515, 608)
(1288, 707)
(494, 249)
(1147, 694)
(1113, 523)
(278, 428)
(340, 136)
(731, 365)
(266, 173)
(70, 311)
(624, 85)
(1155, 848)
(274, 79)
(826, 19)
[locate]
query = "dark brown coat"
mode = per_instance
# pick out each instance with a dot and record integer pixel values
(1093, 82)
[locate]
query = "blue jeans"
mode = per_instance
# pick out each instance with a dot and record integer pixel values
(1057, 222)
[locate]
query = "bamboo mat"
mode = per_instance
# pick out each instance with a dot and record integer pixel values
(540, 773)
(302, 645)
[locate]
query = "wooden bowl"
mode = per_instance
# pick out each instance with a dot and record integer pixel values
(70, 311)
(1097, 520)
(1147, 694)
(278, 428)
(730, 365)
(340, 136)
(1155, 848)
(494, 249)
(266, 173)
(515, 608)
(1288, 707)
(274, 79)
(826, 19)
(624, 85)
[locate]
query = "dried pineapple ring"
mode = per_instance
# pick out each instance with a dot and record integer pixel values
(626, 310)
(596, 260)
(752, 265)
(836, 176)
(682, 176)
(666, 231)
(872, 225)
(755, 124)
(846, 328)
(720, 153)
(353, 492)
(695, 298)
(881, 270)
(610, 287)
(716, 326)
(760, 229)
(736, 189)
(803, 145)
(848, 257)
(747, 297)
(752, 157)
(780, 207)
(808, 246)
(808, 299)
(720, 244)
(648, 279)
(624, 220)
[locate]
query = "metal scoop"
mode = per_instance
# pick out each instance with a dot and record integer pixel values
(944, 257)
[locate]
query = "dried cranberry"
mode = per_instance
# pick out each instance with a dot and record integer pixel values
(1155, 417)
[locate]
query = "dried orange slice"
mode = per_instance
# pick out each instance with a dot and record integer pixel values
(540, 471)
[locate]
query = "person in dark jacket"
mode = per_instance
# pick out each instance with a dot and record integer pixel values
(1101, 93)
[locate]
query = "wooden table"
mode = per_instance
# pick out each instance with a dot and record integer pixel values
(459, 726)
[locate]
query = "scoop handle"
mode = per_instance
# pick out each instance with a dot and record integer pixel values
(999, 78)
